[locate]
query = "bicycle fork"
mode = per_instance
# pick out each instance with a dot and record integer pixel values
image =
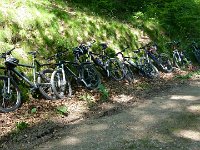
(6, 91)
(64, 81)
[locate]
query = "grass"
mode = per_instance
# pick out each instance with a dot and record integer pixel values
(49, 24)
(46, 25)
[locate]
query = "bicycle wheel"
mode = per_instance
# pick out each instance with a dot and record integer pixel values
(165, 62)
(12, 100)
(60, 85)
(45, 88)
(90, 76)
(148, 68)
(115, 69)
(179, 60)
(128, 72)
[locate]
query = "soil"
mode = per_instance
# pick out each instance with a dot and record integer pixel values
(96, 123)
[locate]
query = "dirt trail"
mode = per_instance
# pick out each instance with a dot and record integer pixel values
(170, 120)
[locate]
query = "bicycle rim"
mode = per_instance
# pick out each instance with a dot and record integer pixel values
(90, 76)
(60, 85)
(166, 64)
(9, 101)
(45, 88)
(128, 72)
(115, 69)
(150, 70)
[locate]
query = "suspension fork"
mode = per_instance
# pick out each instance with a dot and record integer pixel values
(8, 82)
(64, 76)
(34, 70)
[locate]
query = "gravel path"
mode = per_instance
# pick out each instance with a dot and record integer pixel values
(170, 120)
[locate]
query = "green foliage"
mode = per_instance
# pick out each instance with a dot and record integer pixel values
(178, 17)
(86, 97)
(143, 86)
(33, 110)
(104, 93)
(188, 75)
(63, 110)
(21, 125)
(89, 99)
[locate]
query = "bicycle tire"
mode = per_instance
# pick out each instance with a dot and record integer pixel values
(12, 101)
(116, 69)
(177, 63)
(90, 76)
(166, 63)
(128, 72)
(181, 62)
(60, 87)
(150, 70)
(44, 81)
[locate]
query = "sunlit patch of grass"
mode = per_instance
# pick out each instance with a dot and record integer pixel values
(49, 24)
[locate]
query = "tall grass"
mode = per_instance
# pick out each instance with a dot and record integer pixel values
(47, 25)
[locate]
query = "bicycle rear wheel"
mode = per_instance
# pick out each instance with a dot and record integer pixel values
(45, 88)
(9, 101)
(165, 62)
(90, 76)
(116, 69)
(60, 85)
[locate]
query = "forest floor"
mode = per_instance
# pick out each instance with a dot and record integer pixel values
(39, 121)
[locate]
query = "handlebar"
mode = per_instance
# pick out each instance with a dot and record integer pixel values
(174, 43)
(3, 55)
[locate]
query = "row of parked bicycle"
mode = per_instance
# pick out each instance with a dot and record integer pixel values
(55, 82)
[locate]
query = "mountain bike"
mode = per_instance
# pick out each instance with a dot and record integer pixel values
(110, 67)
(162, 61)
(83, 72)
(10, 95)
(179, 58)
(143, 64)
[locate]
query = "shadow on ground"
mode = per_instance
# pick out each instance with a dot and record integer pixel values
(168, 120)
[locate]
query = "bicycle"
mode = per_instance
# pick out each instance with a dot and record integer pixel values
(143, 64)
(10, 95)
(162, 61)
(128, 74)
(110, 67)
(179, 58)
(84, 73)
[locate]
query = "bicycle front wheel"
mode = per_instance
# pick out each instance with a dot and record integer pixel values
(116, 69)
(45, 88)
(148, 68)
(178, 60)
(60, 85)
(90, 76)
(128, 72)
(10, 98)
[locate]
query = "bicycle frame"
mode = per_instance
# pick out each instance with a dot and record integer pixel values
(32, 84)
(102, 64)
(66, 71)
